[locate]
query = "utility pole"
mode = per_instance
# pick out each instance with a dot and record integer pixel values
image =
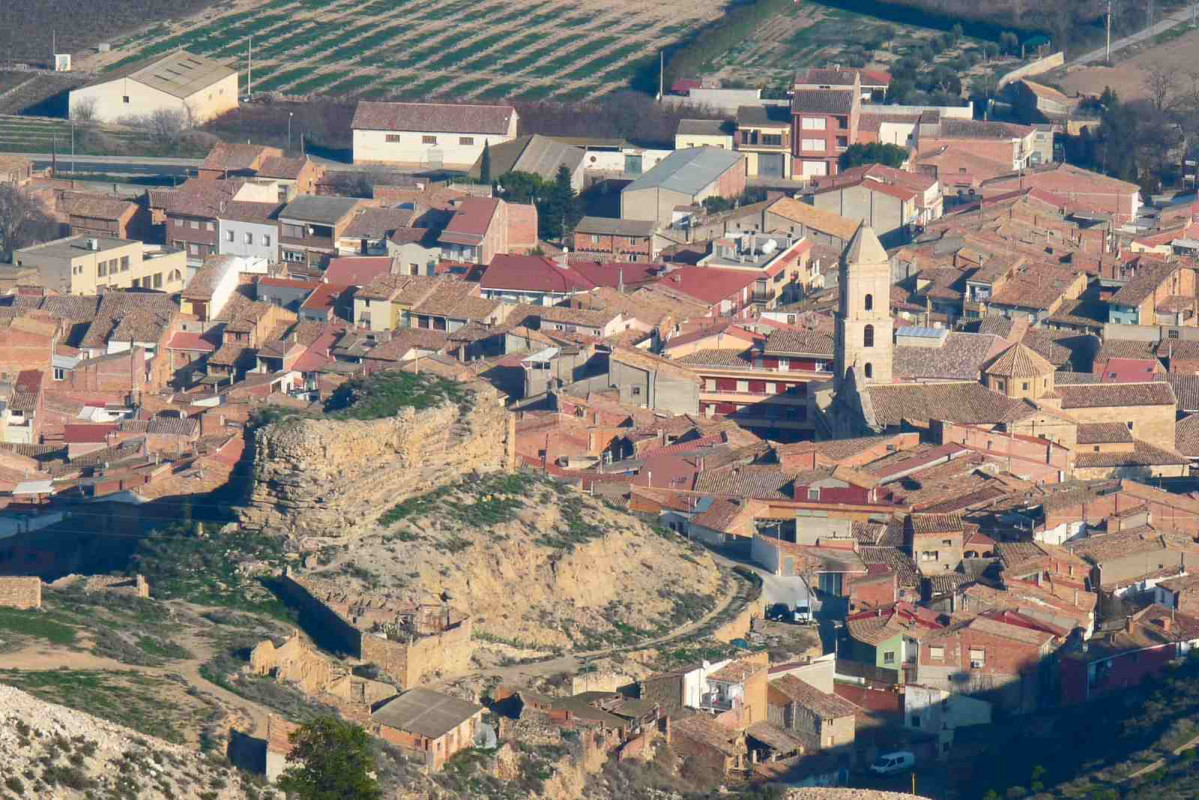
(661, 73)
(250, 68)
(1109, 33)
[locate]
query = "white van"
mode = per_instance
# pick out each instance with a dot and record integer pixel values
(891, 763)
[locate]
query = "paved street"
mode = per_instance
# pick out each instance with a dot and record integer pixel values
(1167, 22)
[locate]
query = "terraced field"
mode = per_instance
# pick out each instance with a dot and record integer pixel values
(461, 49)
(50, 134)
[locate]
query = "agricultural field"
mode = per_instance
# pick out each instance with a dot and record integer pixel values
(812, 35)
(1175, 49)
(460, 49)
(47, 134)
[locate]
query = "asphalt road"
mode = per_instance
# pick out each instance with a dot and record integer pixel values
(1181, 17)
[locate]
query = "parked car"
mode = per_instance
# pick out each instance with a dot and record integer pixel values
(780, 612)
(891, 763)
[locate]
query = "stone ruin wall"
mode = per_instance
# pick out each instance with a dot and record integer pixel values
(24, 592)
(328, 477)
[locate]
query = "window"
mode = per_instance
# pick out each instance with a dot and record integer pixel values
(193, 249)
(178, 223)
(636, 391)
(813, 123)
(595, 238)
(869, 303)
(194, 224)
(428, 140)
(102, 270)
(1129, 424)
(784, 364)
(1172, 334)
(978, 657)
(210, 226)
(814, 493)
(266, 240)
(1024, 385)
(842, 141)
(869, 370)
(915, 720)
(175, 276)
(743, 386)
(842, 123)
(228, 236)
(157, 280)
(293, 231)
(929, 555)
(1000, 384)
(124, 263)
(772, 388)
(125, 99)
(466, 140)
(249, 238)
(59, 374)
(936, 653)
(947, 542)
(889, 657)
(710, 384)
(814, 144)
(868, 336)
(772, 139)
(394, 138)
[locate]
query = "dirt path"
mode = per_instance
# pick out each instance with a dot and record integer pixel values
(38, 657)
(1187, 745)
(739, 592)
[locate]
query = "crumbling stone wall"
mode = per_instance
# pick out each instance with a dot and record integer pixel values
(22, 592)
(328, 477)
(447, 653)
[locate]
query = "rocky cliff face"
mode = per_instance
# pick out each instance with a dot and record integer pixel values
(324, 477)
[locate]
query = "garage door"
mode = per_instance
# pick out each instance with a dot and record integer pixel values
(814, 169)
(770, 165)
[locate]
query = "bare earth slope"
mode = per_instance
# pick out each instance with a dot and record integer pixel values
(48, 750)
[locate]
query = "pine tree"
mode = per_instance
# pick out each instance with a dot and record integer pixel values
(485, 164)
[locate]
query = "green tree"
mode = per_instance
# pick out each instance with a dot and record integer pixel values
(521, 187)
(331, 760)
(485, 164)
(873, 153)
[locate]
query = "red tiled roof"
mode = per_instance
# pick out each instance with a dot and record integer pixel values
(708, 284)
(612, 274)
(324, 297)
(471, 220)
(190, 341)
(356, 270)
(88, 434)
(434, 117)
(532, 274)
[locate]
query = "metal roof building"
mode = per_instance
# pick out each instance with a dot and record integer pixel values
(683, 178)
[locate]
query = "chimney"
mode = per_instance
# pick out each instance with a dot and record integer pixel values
(1167, 622)
(649, 478)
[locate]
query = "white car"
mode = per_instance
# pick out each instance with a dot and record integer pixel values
(891, 763)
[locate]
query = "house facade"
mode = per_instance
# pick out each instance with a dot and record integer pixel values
(429, 135)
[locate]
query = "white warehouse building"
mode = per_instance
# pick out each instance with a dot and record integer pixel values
(429, 135)
(197, 87)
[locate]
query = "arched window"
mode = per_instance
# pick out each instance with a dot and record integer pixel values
(174, 276)
(868, 336)
(869, 302)
(869, 370)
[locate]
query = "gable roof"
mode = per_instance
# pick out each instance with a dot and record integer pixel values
(531, 274)
(434, 117)
(707, 284)
(1103, 395)
(953, 402)
(425, 712)
(828, 706)
(180, 74)
(536, 154)
(327, 210)
(687, 171)
(815, 218)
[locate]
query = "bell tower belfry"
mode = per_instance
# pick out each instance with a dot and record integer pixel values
(863, 339)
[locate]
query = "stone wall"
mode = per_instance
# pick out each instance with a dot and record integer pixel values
(328, 477)
(447, 653)
(21, 592)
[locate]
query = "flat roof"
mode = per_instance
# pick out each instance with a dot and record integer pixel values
(75, 246)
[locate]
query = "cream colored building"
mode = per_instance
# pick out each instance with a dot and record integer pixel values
(198, 87)
(704, 133)
(429, 134)
(88, 265)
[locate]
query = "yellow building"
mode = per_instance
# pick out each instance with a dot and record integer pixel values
(198, 88)
(88, 265)
(704, 133)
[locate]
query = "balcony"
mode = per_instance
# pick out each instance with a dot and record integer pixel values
(716, 701)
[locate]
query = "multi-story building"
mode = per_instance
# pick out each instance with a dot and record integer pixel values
(764, 136)
(89, 265)
(249, 229)
(310, 226)
(779, 261)
(824, 125)
(616, 239)
(764, 387)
